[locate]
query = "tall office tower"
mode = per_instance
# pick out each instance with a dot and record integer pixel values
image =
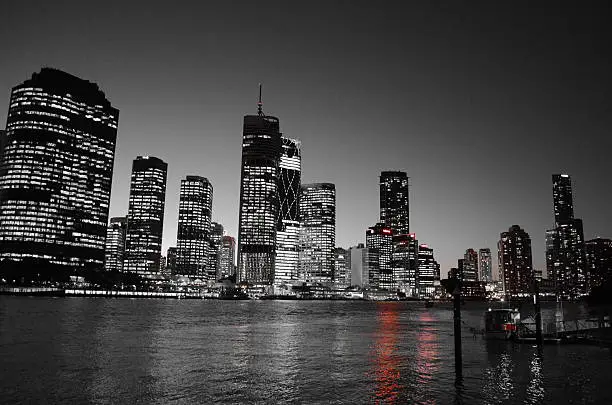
(551, 249)
(342, 277)
(405, 263)
(114, 253)
(379, 241)
(363, 266)
(485, 265)
(286, 264)
(317, 232)
(394, 203)
(171, 261)
(227, 267)
(214, 251)
(514, 249)
(55, 173)
(145, 216)
(259, 204)
(429, 272)
(567, 259)
(599, 261)
(470, 265)
(194, 227)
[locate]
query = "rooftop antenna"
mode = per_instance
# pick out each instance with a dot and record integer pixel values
(259, 103)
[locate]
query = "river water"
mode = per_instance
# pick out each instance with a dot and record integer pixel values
(100, 350)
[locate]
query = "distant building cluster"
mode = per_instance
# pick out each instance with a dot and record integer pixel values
(56, 167)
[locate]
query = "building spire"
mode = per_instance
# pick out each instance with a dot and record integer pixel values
(259, 103)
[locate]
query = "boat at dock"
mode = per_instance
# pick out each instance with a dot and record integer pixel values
(501, 324)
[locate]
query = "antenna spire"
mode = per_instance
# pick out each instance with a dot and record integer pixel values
(259, 103)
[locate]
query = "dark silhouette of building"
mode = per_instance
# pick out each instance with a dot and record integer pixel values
(515, 262)
(194, 228)
(598, 253)
(56, 171)
(259, 202)
(394, 202)
(563, 202)
(115, 244)
(145, 216)
(286, 266)
(214, 252)
(379, 241)
(171, 260)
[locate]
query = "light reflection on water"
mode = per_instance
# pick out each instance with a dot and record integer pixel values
(81, 350)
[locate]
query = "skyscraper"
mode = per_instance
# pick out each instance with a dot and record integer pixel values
(342, 276)
(470, 266)
(171, 260)
(405, 263)
(394, 202)
(194, 225)
(114, 252)
(428, 273)
(379, 241)
(228, 250)
(485, 266)
(563, 202)
(317, 232)
(214, 252)
(288, 233)
(360, 262)
(514, 249)
(145, 216)
(259, 203)
(55, 173)
(599, 261)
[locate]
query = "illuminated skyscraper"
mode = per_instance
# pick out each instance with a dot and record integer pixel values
(563, 202)
(214, 251)
(287, 236)
(394, 202)
(145, 216)
(56, 170)
(514, 249)
(428, 272)
(379, 241)
(342, 275)
(470, 265)
(228, 250)
(194, 228)
(115, 244)
(405, 263)
(599, 261)
(318, 232)
(485, 265)
(259, 202)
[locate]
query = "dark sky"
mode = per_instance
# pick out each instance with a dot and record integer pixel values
(480, 103)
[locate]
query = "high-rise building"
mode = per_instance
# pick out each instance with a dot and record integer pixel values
(405, 263)
(485, 265)
(286, 265)
(470, 265)
(317, 232)
(428, 272)
(599, 261)
(56, 170)
(259, 203)
(114, 253)
(363, 266)
(551, 248)
(145, 216)
(214, 251)
(394, 202)
(379, 241)
(171, 261)
(228, 250)
(566, 257)
(342, 277)
(194, 228)
(514, 249)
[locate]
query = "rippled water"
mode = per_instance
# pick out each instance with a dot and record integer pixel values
(96, 350)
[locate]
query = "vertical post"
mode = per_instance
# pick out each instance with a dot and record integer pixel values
(538, 312)
(457, 323)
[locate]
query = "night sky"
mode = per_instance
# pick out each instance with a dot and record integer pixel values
(479, 103)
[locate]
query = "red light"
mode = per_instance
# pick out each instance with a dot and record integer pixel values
(387, 231)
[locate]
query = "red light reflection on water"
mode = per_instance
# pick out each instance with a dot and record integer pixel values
(427, 349)
(386, 357)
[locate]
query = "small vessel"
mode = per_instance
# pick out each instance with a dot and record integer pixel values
(501, 324)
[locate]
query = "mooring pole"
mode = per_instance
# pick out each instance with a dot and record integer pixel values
(457, 322)
(538, 312)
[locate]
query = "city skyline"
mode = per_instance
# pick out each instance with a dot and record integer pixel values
(456, 203)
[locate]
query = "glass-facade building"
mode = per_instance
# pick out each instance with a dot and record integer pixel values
(259, 202)
(405, 263)
(114, 253)
(379, 241)
(56, 171)
(317, 232)
(145, 216)
(515, 262)
(286, 265)
(470, 266)
(394, 201)
(428, 272)
(194, 228)
(214, 253)
(485, 266)
(227, 267)
(598, 253)
(342, 274)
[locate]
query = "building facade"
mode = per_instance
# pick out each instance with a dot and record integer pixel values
(214, 250)
(342, 275)
(56, 171)
(171, 260)
(379, 241)
(145, 227)
(428, 272)
(286, 265)
(363, 267)
(394, 201)
(114, 253)
(515, 261)
(317, 232)
(470, 266)
(485, 265)
(598, 254)
(405, 262)
(227, 268)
